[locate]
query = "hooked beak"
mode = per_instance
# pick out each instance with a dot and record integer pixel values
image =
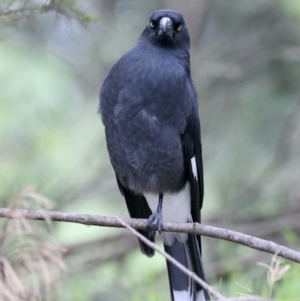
(166, 27)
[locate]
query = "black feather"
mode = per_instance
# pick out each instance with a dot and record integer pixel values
(191, 142)
(138, 208)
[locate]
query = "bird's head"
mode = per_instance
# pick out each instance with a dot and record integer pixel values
(167, 28)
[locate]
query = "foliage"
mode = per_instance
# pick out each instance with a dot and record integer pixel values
(31, 261)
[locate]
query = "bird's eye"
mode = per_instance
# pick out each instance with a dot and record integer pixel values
(179, 27)
(152, 24)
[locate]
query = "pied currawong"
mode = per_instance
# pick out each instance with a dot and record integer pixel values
(149, 107)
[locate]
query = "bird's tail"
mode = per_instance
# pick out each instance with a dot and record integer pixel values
(188, 254)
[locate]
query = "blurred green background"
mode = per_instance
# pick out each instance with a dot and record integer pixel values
(245, 60)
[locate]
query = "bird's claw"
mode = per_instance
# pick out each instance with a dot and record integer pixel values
(154, 223)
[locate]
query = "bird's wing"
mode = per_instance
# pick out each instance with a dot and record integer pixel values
(190, 252)
(192, 150)
(138, 208)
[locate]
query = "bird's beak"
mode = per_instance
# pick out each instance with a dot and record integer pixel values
(165, 27)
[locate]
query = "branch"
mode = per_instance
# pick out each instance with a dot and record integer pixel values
(67, 10)
(217, 296)
(180, 266)
(191, 228)
(20, 10)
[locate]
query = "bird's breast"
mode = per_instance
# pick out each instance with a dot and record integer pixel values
(143, 127)
(152, 156)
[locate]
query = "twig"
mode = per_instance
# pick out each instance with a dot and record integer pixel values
(207, 287)
(181, 267)
(68, 12)
(22, 10)
(192, 228)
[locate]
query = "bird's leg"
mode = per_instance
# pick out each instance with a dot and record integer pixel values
(154, 222)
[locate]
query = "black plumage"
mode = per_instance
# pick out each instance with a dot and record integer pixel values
(149, 107)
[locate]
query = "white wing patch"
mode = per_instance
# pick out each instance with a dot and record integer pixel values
(194, 167)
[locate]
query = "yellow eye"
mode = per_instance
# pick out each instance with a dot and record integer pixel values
(179, 27)
(152, 24)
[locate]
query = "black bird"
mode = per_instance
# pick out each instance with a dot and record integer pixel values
(149, 108)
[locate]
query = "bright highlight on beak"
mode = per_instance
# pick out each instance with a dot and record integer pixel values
(165, 27)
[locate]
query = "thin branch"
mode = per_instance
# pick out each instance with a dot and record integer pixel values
(22, 10)
(192, 228)
(181, 267)
(69, 12)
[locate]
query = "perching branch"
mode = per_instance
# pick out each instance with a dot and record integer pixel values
(215, 294)
(192, 228)
(181, 267)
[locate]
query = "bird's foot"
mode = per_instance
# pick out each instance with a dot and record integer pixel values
(154, 223)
